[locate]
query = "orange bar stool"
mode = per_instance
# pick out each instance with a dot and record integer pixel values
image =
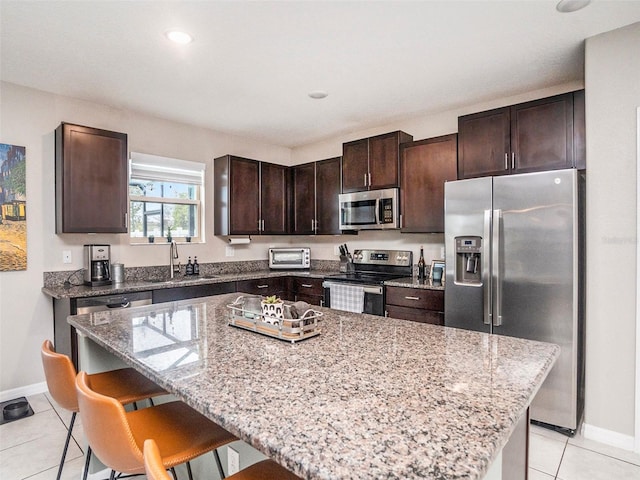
(264, 470)
(117, 436)
(125, 385)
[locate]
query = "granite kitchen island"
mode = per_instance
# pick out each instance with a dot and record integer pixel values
(370, 397)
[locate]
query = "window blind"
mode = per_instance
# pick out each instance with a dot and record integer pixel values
(164, 169)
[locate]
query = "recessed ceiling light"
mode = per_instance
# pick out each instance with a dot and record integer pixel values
(568, 6)
(318, 94)
(177, 36)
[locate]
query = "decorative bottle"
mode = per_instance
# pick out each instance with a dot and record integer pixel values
(189, 267)
(196, 266)
(421, 266)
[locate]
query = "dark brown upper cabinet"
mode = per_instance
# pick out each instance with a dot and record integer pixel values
(274, 185)
(372, 163)
(250, 197)
(91, 180)
(545, 134)
(425, 166)
(314, 198)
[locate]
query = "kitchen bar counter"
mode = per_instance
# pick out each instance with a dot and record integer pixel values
(370, 397)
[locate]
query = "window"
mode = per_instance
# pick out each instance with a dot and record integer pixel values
(165, 198)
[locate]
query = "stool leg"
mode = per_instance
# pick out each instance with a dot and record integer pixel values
(189, 471)
(66, 445)
(86, 463)
(113, 475)
(173, 473)
(218, 463)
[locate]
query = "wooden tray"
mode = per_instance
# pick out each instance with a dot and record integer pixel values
(288, 329)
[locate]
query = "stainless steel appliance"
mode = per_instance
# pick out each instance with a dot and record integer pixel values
(97, 265)
(65, 336)
(290, 258)
(361, 288)
(515, 266)
(372, 210)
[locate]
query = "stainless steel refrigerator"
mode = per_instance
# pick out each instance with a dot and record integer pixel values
(515, 266)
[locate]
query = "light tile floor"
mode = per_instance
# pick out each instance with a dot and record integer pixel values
(30, 449)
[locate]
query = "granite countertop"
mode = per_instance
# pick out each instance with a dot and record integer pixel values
(139, 285)
(413, 282)
(147, 282)
(370, 397)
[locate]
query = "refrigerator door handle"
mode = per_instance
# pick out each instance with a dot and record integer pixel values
(486, 269)
(495, 267)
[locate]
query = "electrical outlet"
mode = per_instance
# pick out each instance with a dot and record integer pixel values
(442, 253)
(66, 256)
(230, 251)
(233, 461)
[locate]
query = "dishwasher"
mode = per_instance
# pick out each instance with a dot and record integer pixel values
(66, 337)
(112, 302)
(90, 357)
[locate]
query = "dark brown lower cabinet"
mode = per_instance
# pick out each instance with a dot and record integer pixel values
(416, 304)
(192, 291)
(264, 286)
(308, 290)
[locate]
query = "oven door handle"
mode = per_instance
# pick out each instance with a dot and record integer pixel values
(376, 290)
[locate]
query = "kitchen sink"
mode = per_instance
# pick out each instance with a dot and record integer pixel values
(180, 279)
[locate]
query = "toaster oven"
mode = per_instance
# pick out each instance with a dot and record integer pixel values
(290, 258)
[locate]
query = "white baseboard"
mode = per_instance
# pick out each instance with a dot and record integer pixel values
(33, 389)
(608, 437)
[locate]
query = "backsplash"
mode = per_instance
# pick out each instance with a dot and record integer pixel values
(161, 272)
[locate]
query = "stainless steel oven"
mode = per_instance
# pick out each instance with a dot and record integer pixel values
(361, 290)
(372, 210)
(290, 258)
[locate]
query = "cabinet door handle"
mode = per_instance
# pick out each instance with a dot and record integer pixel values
(412, 298)
(369, 178)
(513, 160)
(306, 285)
(506, 161)
(365, 179)
(262, 286)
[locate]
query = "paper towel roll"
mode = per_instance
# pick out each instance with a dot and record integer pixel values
(239, 241)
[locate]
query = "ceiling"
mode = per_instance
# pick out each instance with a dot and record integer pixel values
(252, 64)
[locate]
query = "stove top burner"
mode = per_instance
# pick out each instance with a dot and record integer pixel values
(364, 277)
(376, 266)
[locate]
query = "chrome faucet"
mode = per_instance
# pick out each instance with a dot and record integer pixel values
(173, 255)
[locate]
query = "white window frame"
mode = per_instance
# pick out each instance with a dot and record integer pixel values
(164, 169)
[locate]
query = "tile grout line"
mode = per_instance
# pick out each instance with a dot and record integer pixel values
(556, 477)
(66, 428)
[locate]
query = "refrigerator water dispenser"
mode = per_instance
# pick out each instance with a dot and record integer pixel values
(468, 260)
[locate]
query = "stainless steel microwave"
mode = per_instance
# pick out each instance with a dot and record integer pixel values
(371, 210)
(289, 258)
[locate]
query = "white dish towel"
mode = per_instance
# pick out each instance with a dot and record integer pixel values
(349, 298)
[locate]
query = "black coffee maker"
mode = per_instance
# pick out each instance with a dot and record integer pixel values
(97, 265)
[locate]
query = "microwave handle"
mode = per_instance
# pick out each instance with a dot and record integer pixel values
(378, 211)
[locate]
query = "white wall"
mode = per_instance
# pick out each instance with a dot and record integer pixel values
(612, 78)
